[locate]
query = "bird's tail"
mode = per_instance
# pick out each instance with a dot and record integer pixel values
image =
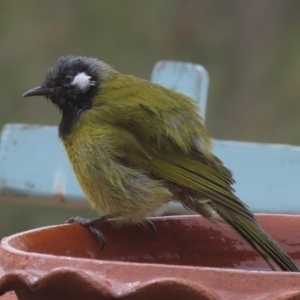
(262, 242)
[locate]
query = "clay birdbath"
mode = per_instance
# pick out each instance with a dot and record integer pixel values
(189, 258)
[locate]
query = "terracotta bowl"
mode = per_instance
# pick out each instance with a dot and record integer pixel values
(189, 258)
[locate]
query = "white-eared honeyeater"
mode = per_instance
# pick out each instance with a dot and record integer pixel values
(135, 145)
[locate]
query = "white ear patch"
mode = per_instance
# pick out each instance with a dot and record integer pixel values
(82, 81)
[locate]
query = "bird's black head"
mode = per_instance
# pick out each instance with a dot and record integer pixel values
(72, 84)
(73, 81)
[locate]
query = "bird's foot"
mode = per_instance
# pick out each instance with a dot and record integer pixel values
(90, 225)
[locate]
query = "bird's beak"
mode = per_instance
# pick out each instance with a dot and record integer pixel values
(38, 91)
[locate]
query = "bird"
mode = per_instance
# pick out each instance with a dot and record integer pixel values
(135, 146)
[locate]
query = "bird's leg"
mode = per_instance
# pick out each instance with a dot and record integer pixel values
(90, 225)
(151, 227)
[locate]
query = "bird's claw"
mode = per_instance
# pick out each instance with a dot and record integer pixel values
(152, 229)
(98, 234)
(89, 224)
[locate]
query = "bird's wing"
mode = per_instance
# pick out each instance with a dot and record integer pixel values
(194, 174)
(165, 119)
(163, 134)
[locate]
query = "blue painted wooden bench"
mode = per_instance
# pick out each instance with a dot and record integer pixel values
(34, 166)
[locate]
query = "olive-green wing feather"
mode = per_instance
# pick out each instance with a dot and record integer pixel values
(203, 176)
(162, 118)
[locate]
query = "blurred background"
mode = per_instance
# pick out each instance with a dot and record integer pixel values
(251, 50)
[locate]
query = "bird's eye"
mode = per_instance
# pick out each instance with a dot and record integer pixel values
(68, 79)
